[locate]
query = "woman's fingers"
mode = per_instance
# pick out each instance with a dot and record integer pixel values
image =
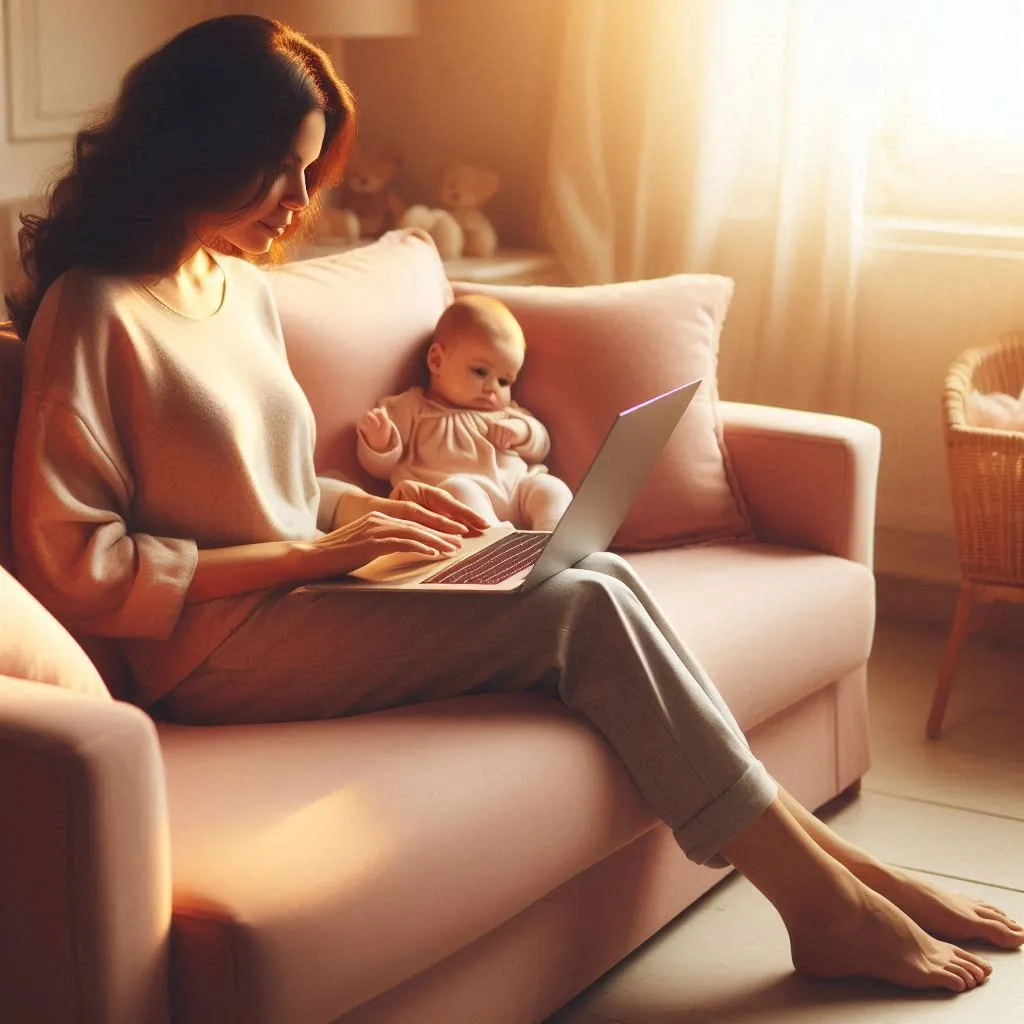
(376, 534)
(414, 512)
(443, 504)
(411, 507)
(356, 554)
(383, 529)
(405, 546)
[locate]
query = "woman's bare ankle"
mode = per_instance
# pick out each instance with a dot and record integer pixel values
(805, 884)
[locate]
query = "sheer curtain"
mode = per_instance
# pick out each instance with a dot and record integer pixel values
(728, 136)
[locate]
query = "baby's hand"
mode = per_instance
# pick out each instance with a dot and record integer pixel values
(507, 433)
(375, 428)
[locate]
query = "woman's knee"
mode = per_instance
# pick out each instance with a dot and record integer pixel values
(606, 563)
(592, 591)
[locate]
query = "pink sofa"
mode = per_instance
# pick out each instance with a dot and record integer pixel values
(477, 860)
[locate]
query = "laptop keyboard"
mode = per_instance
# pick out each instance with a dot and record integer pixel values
(495, 564)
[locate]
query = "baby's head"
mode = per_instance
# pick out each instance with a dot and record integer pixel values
(477, 353)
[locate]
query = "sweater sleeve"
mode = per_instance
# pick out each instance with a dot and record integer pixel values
(74, 548)
(331, 490)
(537, 444)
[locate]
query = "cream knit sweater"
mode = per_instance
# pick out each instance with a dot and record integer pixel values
(144, 436)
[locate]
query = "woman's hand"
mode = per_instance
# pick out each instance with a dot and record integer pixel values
(443, 509)
(425, 520)
(371, 535)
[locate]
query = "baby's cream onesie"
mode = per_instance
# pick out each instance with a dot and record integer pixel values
(439, 444)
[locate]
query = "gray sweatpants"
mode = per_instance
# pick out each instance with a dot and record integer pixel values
(591, 635)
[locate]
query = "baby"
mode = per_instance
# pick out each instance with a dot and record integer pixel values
(464, 433)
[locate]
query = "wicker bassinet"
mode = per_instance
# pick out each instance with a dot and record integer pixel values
(986, 466)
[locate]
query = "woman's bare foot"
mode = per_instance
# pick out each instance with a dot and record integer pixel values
(838, 926)
(865, 935)
(950, 915)
(944, 914)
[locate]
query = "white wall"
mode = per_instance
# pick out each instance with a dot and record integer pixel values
(919, 307)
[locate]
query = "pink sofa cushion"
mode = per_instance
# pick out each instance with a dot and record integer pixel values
(576, 379)
(37, 648)
(318, 864)
(768, 624)
(356, 326)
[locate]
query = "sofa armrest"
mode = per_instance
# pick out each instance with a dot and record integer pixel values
(810, 480)
(85, 882)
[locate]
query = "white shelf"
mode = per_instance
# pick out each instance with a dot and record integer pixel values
(507, 266)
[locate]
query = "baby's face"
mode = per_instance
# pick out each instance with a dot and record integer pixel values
(476, 372)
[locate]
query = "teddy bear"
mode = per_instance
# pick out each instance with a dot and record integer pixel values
(459, 227)
(366, 204)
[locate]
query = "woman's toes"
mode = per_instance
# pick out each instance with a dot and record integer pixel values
(991, 913)
(964, 976)
(952, 979)
(977, 972)
(979, 960)
(974, 959)
(960, 968)
(992, 908)
(998, 928)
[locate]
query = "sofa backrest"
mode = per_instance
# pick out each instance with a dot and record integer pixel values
(356, 326)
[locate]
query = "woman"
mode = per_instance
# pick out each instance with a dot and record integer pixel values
(164, 494)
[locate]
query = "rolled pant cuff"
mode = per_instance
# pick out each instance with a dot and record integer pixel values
(736, 809)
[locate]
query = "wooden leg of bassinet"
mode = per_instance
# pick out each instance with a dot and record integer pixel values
(957, 635)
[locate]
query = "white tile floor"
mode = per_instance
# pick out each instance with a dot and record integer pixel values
(952, 809)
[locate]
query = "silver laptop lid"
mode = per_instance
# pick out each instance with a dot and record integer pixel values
(632, 446)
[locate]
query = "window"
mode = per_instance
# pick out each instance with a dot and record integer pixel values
(950, 144)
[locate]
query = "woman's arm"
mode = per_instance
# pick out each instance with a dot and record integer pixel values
(365, 527)
(222, 572)
(73, 546)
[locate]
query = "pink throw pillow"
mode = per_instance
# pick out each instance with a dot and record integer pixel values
(596, 350)
(356, 326)
(34, 646)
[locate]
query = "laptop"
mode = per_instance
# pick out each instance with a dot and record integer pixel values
(504, 560)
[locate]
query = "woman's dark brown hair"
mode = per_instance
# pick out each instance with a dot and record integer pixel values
(201, 126)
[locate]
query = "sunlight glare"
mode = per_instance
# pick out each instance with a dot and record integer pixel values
(329, 848)
(973, 60)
